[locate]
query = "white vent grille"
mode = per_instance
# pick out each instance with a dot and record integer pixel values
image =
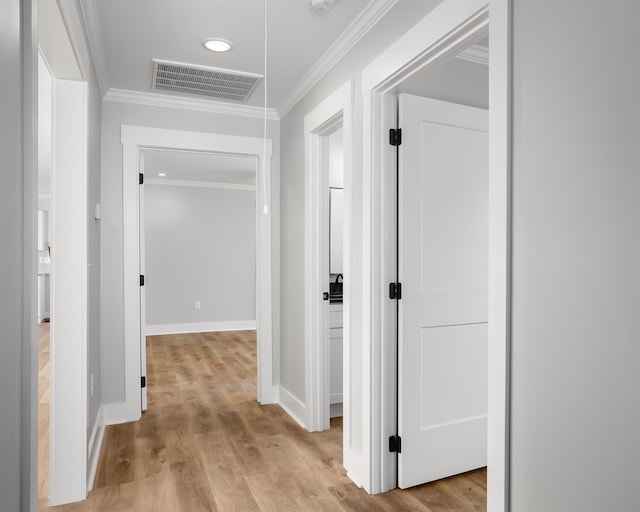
(203, 81)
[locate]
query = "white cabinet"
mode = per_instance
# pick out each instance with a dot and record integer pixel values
(335, 355)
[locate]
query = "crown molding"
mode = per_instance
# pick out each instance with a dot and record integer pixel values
(91, 22)
(168, 101)
(200, 184)
(475, 53)
(367, 19)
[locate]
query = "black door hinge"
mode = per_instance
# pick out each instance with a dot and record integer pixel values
(395, 136)
(141, 280)
(140, 178)
(143, 382)
(395, 291)
(395, 444)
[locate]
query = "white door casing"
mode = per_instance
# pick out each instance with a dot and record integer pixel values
(143, 290)
(135, 138)
(452, 26)
(443, 266)
(324, 119)
(68, 432)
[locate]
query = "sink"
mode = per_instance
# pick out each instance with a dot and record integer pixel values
(335, 291)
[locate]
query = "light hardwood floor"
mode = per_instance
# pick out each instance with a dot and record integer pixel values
(44, 397)
(205, 444)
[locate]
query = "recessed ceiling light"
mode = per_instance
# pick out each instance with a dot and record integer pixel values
(217, 45)
(162, 174)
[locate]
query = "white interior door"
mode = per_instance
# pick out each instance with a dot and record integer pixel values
(143, 307)
(443, 268)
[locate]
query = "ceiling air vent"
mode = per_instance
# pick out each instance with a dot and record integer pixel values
(203, 81)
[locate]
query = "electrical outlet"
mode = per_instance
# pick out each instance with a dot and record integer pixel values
(197, 305)
(91, 383)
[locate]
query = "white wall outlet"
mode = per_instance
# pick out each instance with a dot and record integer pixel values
(197, 305)
(91, 384)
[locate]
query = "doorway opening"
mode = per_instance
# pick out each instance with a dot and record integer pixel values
(327, 131)
(450, 28)
(197, 244)
(442, 269)
(66, 450)
(334, 152)
(137, 139)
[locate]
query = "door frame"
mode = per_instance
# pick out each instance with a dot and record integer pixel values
(332, 112)
(143, 293)
(68, 479)
(449, 28)
(73, 444)
(137, 138)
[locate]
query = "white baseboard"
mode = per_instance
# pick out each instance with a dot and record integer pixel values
(120, 412)
(95, 446)
(353, 463)
(335, 410)
(293, 407)
(336, 398)
(271, 397)
(234, 325)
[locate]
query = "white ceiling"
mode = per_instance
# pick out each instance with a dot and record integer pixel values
(203, 167)
(133, 32)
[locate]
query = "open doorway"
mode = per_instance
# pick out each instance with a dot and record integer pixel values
(197, 243)
(335, 161)
(442, 257)
(64, 388)
(437, 38)
(45, 165)
(327, 237)
(136, 141)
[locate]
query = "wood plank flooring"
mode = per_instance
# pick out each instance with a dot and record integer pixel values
(44, 398)
(205, 444)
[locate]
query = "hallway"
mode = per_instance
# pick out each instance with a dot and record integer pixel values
(206, 444)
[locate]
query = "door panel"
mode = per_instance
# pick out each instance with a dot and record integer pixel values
(443, 267)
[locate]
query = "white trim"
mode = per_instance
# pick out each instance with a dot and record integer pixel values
(475, 53)
(200, 184)
(366, 20)
(115, 413)
(136, 138)
(68, 423)
(155, 99)
(292, 406)
(234, 325)
(450, 27)
(500, 137)
(317, 123)
(90, 18)
(380, 73)
(95, 447)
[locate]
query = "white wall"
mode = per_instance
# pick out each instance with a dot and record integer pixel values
(400, 18)
(18, 204)
(200, 246)
(576, 256)
(115, 114)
